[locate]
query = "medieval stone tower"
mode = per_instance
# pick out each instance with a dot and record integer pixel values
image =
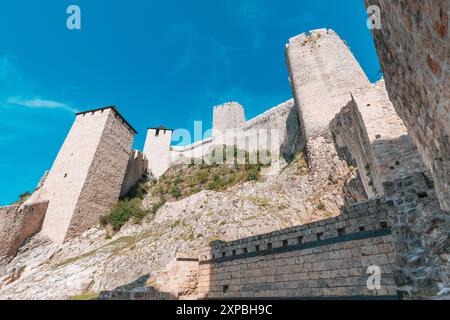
(323, 72)
(227, 118)
(87, 175)
(157, 150)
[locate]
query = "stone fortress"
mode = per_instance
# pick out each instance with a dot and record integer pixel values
(395, 132)
(275, 130)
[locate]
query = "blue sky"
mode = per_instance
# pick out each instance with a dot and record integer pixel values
(161, 62)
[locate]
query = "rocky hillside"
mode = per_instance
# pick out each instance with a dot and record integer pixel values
(208, 203)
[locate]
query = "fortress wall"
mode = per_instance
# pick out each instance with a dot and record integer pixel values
(157, 150)
(281, 122)
(422, 262)
(324, 259)
(395, 154)
(195, 150)
(353, 146)
(369, 134)
(273, 118)
(136, 169)
(17, 224)
(413, 46)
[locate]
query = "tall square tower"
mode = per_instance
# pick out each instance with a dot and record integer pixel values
(86, 177)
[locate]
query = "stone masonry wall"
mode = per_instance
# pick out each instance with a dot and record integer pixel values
(179, 278)
(369, 135)
(323, 259)
(413, 46)
(281, 122)
(136, 169)
(185, 154)
(422, 267)
(18, 223)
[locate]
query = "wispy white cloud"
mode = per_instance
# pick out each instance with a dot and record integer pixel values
(38, 103)
(15, 90)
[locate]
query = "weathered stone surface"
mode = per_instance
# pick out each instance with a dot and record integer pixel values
(157, 150)
(276, 130)
(323, 72)
(370, 135)
(413, 46)
(422, 237)
(137, 168)
(290, 263)
(91, 263)
(17, 224)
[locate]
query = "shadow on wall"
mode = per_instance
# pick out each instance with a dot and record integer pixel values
(293, 140)
(368, 252)
(381, 161)
(328, 259)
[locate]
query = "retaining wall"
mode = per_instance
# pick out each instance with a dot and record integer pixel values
(325, 259)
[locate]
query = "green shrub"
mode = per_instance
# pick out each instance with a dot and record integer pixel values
(23, 197)
(139, 190)
(157, 206)
(202, 176)
(252, 172)
(321, 206)
(86, 296)
(178, 180)
(175, 192)
(123, 212)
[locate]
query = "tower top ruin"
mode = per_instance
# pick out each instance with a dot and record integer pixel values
(323, 72)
